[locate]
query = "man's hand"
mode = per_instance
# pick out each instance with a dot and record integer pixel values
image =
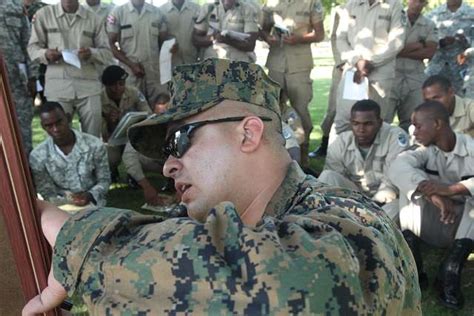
(81, 198)
(384, 196)
(446, 206)
(292, 39)
(138, 70)
(364, 68)
(53, 55)
(151, 195)
(430, 187)
(461, 59)
(112, 117)
(174, 49)
(271, 40)
(84, 53)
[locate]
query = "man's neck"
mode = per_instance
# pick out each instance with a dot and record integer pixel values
(447, 141)
(68, 144)
(28, 2)
(178, 4)
(72, 9)
(412, 16)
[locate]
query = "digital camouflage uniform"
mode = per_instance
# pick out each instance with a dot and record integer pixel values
(449, 24)
(346, 167)
(431, 163)
(84, 169)
(33, 7)
(240, 18)
(317, 248)
(14, 35)
(180, 24)
(469, 78)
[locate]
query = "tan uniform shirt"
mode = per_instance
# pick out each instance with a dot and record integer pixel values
(368, 174)
(462, 119)
(298, 17)
(102, 10)
(241, 18)
(425, 163)
(180, 24)
(375, 33)
(336, 16)
(139, 35)
(51, 29)
(412, 69)
(132, 100)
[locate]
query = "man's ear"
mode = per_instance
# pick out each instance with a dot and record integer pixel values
(252, 129)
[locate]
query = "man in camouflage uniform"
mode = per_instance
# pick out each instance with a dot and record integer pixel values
(467, 57)
(69, 167)
(14, 35)
(369, 37)
(215, 24)
(290, 60)
(359, 159)
(31, 6)
(180, 17)
(454, 22)
(436, 196)
(420, 44)
(461, 110)
(139, 29)
(283, 243)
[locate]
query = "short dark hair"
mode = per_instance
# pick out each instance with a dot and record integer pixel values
(435, 110)
(162, 98)
(440, 80)
(112, 74)
(50, 106)
(366, 105)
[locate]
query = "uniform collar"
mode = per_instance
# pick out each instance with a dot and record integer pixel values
(81, 11)
(286, 194)
(459, 108)
(460, 149)
(79, 146)
(131, 8)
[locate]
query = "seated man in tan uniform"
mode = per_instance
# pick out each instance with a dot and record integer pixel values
(359, 159)
(461, 110)
(117, 100)
(215, 25)
(436, 183)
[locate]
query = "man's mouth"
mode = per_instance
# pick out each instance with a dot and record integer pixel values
(181, 188)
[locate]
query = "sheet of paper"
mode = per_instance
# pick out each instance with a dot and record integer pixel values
(165, 60)
(71, 58)
(39, 87)
(354, 91)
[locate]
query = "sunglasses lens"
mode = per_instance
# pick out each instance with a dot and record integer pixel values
(182, 144)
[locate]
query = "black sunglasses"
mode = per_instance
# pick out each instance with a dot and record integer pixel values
(179, 141)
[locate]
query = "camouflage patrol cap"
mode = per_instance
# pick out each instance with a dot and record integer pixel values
(198, 87)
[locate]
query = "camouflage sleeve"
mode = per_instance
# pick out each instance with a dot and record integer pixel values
(43, 182)
(25, 33)
(102, 173)
(396, 36)
(317, 12)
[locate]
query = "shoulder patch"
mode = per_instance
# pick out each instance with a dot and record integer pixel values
(111, 19)
(402, 139)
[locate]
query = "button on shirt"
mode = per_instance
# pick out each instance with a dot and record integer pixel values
(52, 28)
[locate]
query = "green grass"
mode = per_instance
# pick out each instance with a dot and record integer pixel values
(123, 197)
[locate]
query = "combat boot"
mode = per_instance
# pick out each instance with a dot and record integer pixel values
(322, 150)
(448, 280)
(413, 242)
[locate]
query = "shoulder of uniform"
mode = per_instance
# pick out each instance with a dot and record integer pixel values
(39, 152)
(398, 135)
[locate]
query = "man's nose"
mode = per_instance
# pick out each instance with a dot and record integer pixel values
(171, 167)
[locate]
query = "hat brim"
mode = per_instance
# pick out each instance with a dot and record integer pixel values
(148, 136)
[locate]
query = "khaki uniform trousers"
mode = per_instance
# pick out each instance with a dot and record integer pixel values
(89, 110)
(406, 95)
(328, 119)
(298, 88)
(379, 91)
(336, 179)
(422, 218)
